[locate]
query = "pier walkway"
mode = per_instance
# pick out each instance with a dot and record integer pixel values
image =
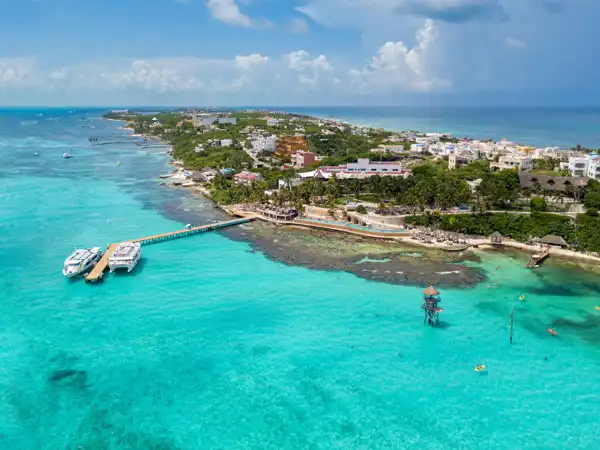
(97, 272)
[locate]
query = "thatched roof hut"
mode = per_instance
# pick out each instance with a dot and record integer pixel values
(496, 237)
(431, 291)
(554, 240)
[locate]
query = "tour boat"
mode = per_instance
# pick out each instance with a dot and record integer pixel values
(125, 256)
(81, 260)
(67, 155)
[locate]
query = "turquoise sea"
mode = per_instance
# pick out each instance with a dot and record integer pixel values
(211, 345)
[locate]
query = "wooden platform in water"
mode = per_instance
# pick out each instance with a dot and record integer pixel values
(97, 272)
(537, 259)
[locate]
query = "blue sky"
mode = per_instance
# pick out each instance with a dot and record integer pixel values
(299, 52)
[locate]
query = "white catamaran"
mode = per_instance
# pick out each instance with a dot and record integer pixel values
(125, 256)
(81, 260)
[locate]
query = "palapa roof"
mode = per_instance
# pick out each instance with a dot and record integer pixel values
(496, 234)
(550, 182)
(554, 240)
(431, 291)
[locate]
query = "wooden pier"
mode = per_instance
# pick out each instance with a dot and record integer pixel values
(537, 259)
(97, 273)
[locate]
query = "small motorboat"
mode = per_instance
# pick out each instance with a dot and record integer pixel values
(188, 226)
(118, 163)
(36, 154)
(67, 155)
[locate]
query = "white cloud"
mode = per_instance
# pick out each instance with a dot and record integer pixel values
(250, 61)
(514, 43)
(17, 72)
(229, 12)
(298, 26)
(397, 66)
(309, 70)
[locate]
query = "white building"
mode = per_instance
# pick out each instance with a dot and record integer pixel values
(224, 120)
(578, 165)
(363, 168)
(509, 162)
(593, 170)
(226, 142)
(272, 122)
(262, 144)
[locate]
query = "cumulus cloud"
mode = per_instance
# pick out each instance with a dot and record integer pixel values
(397, 66)
(229, 12)
(309, 70)
(251, 61)
(17, 72)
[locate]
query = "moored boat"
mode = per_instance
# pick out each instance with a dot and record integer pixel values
(81, 260)
(125, 256)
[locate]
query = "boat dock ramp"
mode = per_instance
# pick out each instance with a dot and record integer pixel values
(537, 259)
(97, 273)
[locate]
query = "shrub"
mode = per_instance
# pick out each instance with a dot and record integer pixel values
(361, 209)
(538, 204)
(592, 212)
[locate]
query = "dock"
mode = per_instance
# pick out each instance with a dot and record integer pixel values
(537, 259)
(97, 273)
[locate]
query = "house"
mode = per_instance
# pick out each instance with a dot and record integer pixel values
(208, 174)
(510, 162)
(246, 177)
(460, 159)
(226, 142)
(303, 159)
(262, 144)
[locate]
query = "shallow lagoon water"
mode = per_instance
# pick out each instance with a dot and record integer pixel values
(212, 345)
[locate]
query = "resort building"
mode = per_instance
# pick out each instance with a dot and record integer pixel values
(300, 160)
(363, 168)
(578, 165)
(287, 145)
(460, 159)
(247, 178)
(551, 183)
(510, 162)
(226, 142)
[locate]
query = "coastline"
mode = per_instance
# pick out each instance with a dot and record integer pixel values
(483, 243)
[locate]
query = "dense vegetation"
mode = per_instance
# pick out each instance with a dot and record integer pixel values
(581, 233)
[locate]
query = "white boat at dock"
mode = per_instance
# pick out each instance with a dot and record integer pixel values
(188, 184)
(125, 256)
(80, 261)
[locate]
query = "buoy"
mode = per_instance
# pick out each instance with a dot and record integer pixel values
(521, 297)
(480, 368)
(552, 331)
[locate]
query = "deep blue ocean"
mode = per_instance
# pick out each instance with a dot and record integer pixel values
(209, 344)
(562, 127)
